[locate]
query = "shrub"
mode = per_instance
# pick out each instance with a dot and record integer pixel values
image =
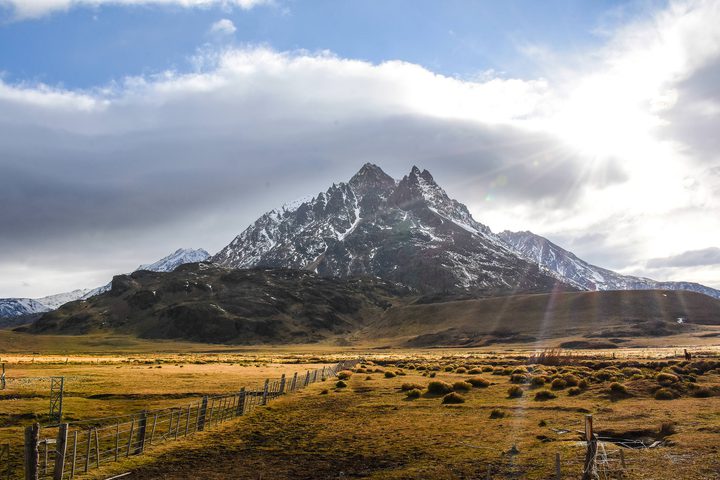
(478, 382)
(495, 413)
(344, 374)
(389, 374)
(558, 384)
(438, 387)
(666, 379)
(573, 391)
(544, 395)
(462, 386)
(414, 393)
(411, 386)
(702, 393)
(453, 398)
(515, 392)
(664, 394)
(537, 381)
(618, 388)
(341, 384)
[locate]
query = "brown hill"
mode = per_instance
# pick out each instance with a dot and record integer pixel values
(208, 303)
(526, 318)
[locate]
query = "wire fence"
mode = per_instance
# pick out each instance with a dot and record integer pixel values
(73, 449)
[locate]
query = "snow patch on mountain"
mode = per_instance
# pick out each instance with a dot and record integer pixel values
(179, 257)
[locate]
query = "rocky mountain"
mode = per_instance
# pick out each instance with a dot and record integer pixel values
(582, 274)
(18, 308)
(179, 257)
(209, 303)
(15, 307)
(407, 231)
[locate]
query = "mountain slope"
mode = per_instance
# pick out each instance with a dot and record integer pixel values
(408, 232)
(208, 303)
(179, 257)
(583, 275)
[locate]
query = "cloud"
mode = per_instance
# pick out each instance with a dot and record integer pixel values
(692, 258)
(110, 177)
(28, 9)
(223, 27)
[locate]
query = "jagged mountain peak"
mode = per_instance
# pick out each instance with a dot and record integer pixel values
(410, 232)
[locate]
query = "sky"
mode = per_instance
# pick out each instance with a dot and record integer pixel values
(130, 128)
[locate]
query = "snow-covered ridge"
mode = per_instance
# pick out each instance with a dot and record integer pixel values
(15, 307)
(571, 269)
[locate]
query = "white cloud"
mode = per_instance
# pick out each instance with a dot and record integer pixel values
(26, 9)
(149, 159)
(224, 26)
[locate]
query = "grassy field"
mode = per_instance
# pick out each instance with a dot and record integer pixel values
(375, 428)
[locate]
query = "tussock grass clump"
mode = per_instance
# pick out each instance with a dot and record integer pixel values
(487, 368)
(666, 379)
(341, 384)
(631, 371)
(410, 386)
(475, 371)
(389, 374)
(515, 392)
(664, 394)
(452, 398)
(478, 382)
(438, 387)
(432, 375)
(495, 413)
(543, 395)
(325, 392)
(462, 386)
(583, 384)
(558, 384)
(537, 381)
(518, 378)
(571, 380)
(574, 391)
(702, 393)
(344, 374)
(618, 389)
(461, 370)
(414, 393)
(368, 377)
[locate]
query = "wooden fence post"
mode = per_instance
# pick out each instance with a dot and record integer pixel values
(315, 375)
(265, 392)
(32, 455)
(60, 450)
(294, 383)
(142, 428)
(589, 465)
(240, 408)
(201, 415)
(282, 384)
(558, 472)
(74, 455)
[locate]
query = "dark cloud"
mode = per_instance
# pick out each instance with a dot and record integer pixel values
(692, 258)
(694, 119)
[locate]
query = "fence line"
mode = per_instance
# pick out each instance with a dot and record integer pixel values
(70, 449)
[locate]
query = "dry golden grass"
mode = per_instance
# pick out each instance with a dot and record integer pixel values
(371, 429)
